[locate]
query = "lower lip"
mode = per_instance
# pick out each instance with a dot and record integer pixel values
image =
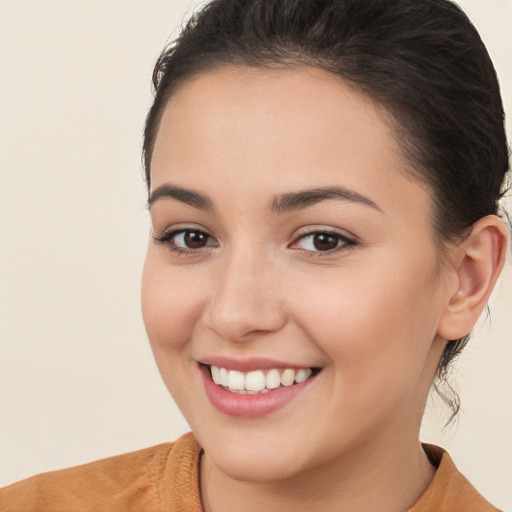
(250, 406)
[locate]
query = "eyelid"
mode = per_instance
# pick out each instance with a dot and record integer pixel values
(170, 233)
(347, 241)
(177, 228)
(166, 238)
(324, 229)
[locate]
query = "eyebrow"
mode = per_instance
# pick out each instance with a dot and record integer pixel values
(303, 199)
(283, 203)
(187, 196)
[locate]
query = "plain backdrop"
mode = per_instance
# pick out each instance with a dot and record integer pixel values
(77, 377)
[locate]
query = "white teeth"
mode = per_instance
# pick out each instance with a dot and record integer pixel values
(255, 381)
(223, 376)
(215, 374)
(303, 374)
(287, 377)
(236, 380)
(273, 379)
(258, 381)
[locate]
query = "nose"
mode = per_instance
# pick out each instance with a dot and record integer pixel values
(246, 301)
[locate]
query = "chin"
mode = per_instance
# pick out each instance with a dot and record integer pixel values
(262, 467)
(252, 456)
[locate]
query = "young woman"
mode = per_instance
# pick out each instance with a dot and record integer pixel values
(324, 182)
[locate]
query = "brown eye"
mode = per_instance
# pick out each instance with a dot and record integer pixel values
(183, 240)
(194, 239)
(325, 241)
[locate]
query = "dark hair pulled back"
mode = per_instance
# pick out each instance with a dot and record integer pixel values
(422, 60)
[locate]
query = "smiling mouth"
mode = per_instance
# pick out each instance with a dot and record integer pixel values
(259, 381)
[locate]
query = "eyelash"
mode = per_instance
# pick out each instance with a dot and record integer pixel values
(344, 243)
(166, 238)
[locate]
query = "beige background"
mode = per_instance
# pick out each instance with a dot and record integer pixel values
(77, 379)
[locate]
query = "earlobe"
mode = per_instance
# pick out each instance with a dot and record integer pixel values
(477, 270)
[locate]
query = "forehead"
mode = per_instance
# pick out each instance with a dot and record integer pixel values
(279, 129)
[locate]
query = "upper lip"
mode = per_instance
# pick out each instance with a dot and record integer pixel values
(250, 364)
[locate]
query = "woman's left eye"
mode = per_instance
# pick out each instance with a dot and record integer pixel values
(322, 242)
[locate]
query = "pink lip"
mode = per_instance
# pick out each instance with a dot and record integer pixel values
(250, 406)
(248, 365)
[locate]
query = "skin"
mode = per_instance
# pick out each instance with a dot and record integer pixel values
(373, 315)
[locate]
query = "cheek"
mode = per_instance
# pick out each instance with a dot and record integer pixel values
(375, 327)
(170, 305)
(171, 308)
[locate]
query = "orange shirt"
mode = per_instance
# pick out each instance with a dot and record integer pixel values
(165, 478)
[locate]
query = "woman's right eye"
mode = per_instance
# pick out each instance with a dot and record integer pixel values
(186, 240)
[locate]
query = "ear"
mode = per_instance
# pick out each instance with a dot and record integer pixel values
(476, 264)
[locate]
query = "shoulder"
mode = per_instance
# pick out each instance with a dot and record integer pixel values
(450, 491)
(132, 481)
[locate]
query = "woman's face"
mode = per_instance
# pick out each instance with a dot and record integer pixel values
(287, 237)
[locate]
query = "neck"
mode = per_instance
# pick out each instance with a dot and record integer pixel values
(379, 477)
